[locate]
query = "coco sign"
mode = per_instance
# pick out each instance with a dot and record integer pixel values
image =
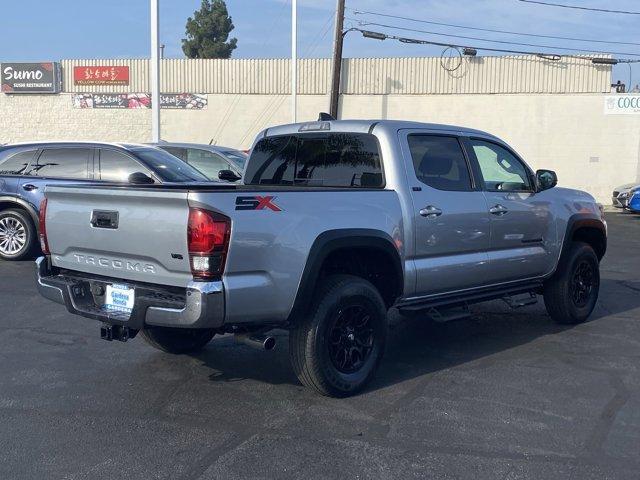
(30, 77)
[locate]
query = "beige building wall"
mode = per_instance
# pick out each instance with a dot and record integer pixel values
(566, 132)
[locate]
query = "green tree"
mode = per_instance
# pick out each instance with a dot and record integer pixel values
(208, 32)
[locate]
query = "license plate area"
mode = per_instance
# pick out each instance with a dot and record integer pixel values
(119, 298)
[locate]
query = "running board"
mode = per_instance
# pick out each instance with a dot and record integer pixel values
(475, 296)
(450, 314)
(517, 301)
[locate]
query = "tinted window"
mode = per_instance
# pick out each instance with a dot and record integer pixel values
(206, 162)
(329, 160)
(168, 167)
(62, 163)
(17, 163)
(181, 153)
(237, 157)
(116, 166)
(439, 162)
(501, 170)
(272, 161)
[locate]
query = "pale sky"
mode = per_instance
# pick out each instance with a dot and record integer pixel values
(36, 30)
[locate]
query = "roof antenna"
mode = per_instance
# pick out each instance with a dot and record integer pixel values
(325, 117)
(211, 141)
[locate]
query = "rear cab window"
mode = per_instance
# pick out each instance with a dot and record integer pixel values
(334, 159)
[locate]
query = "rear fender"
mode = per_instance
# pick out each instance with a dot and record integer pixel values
(331, 241)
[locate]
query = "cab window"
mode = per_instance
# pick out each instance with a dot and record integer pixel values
(500, 169)
(347, 160)
(440, 162)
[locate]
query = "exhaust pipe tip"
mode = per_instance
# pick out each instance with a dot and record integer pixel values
(259, 342)
(269, 343)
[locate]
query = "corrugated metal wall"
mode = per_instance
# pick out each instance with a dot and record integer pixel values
(361, 76)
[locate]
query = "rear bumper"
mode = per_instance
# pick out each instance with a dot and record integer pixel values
(200, 305)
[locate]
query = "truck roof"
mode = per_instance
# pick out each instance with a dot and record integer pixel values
(366, 126)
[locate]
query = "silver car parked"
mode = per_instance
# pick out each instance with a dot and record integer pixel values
(215, 162)
(622, 194)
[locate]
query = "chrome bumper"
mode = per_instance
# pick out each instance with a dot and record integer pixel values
(201, 307)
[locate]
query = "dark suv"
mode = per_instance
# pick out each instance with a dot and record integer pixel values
(25, 169)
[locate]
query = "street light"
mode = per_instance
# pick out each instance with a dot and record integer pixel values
(155, 71)
(294, 60)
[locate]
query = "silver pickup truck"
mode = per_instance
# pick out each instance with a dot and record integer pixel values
(335, 223)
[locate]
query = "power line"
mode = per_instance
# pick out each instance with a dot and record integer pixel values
(602, 10)
(504, 42)
(443, 24)
(549, 56)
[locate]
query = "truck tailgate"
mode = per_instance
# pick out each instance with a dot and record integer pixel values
(137, 235)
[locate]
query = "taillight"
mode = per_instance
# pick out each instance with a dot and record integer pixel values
(44, 244)
(208, 241)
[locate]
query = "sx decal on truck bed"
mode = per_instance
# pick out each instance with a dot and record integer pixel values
(256, 203)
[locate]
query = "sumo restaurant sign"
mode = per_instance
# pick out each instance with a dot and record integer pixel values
(622, 104)
(42, 77)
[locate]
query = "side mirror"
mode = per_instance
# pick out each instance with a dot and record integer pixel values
(228, 175)
(546, 179)
(139, 178)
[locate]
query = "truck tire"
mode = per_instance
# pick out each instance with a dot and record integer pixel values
(17, 235)
(177, 340)
(337, 347)
(571, 294)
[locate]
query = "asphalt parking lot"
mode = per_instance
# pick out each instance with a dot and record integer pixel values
(502, 395)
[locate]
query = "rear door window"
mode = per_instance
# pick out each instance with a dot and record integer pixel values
(116, 166)
(63, 163)
(439, 162)
(349, 160)
(17, 163)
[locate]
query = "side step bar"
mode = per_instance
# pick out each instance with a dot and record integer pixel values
(444, 303)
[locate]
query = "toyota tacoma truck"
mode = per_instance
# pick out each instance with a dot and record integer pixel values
(335, 222)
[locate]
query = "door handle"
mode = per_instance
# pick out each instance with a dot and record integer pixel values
(431, 212)
(29, 187)
(498, 210)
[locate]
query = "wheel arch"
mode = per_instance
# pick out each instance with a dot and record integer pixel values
(9, 203)
(588, 230)
(334, 245)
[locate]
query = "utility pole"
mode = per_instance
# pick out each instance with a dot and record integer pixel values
(336, 67)
(294, 60)
(155, 71)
